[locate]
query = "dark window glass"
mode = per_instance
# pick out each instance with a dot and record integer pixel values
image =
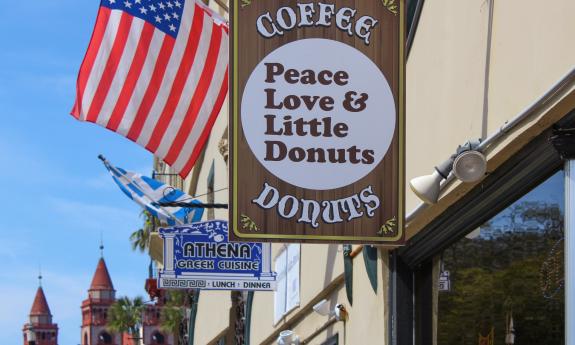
(411, 6)
(334, 340)
(503, 283)
(105, 338)
(158, 338)
(211, 196)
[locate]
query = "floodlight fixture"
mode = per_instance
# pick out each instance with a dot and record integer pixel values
(467, 164)
(288, 337)
(339, 311)
(322, 307)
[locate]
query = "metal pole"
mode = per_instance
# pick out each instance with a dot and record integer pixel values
(549, 97)
(124, 178)
(569, 251)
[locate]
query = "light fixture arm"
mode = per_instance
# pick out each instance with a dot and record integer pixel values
(471, 145)
(428, 187)
(445, 168)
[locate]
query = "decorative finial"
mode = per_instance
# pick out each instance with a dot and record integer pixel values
(40, 275)
(101, 244)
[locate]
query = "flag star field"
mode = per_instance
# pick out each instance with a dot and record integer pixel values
(164, 15)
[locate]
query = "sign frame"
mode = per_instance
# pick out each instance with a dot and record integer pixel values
(206, 245)
(240, 221)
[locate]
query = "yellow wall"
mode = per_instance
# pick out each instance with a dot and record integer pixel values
(532, 49)
(453, 95)
(213, 315)
(367, 321)
(445, 73)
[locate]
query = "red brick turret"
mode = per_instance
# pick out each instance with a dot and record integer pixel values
(40, 305)
(101, 279)
(40, 330)
(101, 295)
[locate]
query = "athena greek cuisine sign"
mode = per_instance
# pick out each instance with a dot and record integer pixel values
(317, 121)
(199, 256)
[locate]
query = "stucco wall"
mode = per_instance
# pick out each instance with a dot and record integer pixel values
(532, 49)
(212, 316)
(367, 320)
(320, 264)
(453, 95)
(445, 73)
(214, 306)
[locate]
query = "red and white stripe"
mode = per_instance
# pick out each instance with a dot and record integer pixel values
(161, 92)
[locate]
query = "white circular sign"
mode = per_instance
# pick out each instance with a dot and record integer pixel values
(318, 114)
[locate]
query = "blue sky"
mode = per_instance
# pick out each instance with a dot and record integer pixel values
(58, 197)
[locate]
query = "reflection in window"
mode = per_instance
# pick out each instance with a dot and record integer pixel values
(105, 338)
(158, 338)
(503, 284)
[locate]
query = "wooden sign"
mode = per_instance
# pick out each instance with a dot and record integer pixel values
(317, 121)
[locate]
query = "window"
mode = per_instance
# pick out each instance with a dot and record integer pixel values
(105, 338)
(211, 196)
(158, 338)
(287, 267)
(503, 283)
(334, 340)
(421, 310)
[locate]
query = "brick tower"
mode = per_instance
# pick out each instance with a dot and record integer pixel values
(101, 296)
(151, 329)
(40, 330)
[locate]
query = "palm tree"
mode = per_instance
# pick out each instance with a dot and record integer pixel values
(125, 316)
(173, 317)
(141, 238)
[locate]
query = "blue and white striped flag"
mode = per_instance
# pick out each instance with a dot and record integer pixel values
(149, 193)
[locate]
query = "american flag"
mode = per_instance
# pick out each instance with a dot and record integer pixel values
(156, 72)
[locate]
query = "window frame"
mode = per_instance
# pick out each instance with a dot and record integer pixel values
(411, 267)
(333, 340)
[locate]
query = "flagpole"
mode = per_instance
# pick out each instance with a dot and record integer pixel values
(110, 166)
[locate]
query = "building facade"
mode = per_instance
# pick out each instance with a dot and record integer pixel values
(498, 71)
(101, 296)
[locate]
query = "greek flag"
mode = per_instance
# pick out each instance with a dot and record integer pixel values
(149, 193)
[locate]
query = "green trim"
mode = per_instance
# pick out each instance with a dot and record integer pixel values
(370, 259)
(248, 316)
(193, 313)
(211, 175)
(411, 7)
(348, 272)
(414, 8)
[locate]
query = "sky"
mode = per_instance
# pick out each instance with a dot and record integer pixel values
(58, 197)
